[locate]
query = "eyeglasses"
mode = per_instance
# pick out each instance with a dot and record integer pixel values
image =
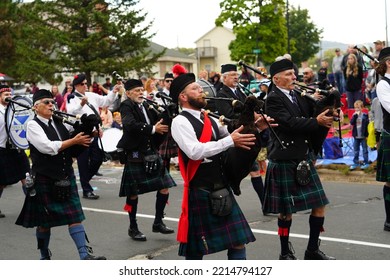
(83, 84)
(168, 81)
(47, 102)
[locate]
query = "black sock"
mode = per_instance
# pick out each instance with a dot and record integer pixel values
(257, 183)
(161, 201)
(386, 197)
(316, 224)
(284, 233)
(133, 213)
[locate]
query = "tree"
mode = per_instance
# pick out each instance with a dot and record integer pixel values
(90, 36)
(304, 35)
(261, 25)
(258, 25)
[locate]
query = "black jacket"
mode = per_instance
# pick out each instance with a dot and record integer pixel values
(225, 107)
(137, 134)
(297, 128)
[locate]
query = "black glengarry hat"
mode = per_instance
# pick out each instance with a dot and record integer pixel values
(179, 84)
(133, 83)
(40, 94)
(385, 52)
(78, 79)
(168, 76)
(228, 67)
(280, 66)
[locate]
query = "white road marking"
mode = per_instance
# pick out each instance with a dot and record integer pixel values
(259, 231)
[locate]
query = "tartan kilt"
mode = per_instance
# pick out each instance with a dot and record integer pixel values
(136, 181)
(383, 160)
(284, 195)
(168, 148)
(14, 165)
(42, 210)
(219, 233)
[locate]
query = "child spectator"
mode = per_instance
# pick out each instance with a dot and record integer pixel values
(359, 121)
(117, 123)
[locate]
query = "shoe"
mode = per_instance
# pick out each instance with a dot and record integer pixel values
(90, 195)
(290, 255)
(90, 257)
(386, 226)
(2, 215)
(353, 166)
(98, 174)
(162, 228)
(136, 235)
(365, 166)
(317, 255)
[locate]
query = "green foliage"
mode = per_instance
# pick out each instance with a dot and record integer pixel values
(81, 36)
(261, 24)
(304, 35)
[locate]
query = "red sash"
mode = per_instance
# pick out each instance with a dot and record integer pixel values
(188, 173)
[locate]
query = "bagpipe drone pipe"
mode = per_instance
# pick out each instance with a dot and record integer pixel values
(84, 123)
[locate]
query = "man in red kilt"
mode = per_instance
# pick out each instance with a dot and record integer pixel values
(14, 163)
(292, 183)
(202, 230)
(144, 172)
(56, 202)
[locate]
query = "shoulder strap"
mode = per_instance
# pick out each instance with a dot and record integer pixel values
(386, 79)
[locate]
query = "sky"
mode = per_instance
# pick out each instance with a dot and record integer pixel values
(179, 23)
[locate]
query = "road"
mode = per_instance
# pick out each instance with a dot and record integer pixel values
(353, 225)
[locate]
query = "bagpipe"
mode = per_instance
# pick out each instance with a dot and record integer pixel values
(328, 98)
(238, 162)
(167, 111)
(84, 123)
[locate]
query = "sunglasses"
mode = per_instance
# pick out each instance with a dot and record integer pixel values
(168, 81)
(83, 84)
(47, 102)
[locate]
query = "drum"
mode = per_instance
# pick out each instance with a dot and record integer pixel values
(16, 118)
(110, 139)
(209, 91)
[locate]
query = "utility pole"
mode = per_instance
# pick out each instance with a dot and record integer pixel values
(288, 27)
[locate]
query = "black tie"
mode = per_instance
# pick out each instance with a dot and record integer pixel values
(294, 98)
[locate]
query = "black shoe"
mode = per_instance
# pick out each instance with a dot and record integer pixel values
(317, 255)
(136, 234)
(90, 257)
(98, 174)
(90, 195)
(2, 215)
(290, 255)
(162, 228)
(386, 226)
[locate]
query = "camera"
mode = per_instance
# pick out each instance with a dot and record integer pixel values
(117, 76)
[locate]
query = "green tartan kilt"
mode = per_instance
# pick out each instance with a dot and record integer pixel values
(284, 195)
(383, 159)
(136, 181)
(42, 210)
(14, 165)
(219, 233)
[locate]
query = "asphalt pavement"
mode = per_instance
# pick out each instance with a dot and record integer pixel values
(353, 224)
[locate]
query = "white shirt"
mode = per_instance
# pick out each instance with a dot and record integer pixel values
(38, 138)
(383, 93)
(3, 132)
(96, 100)
(184, 135)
